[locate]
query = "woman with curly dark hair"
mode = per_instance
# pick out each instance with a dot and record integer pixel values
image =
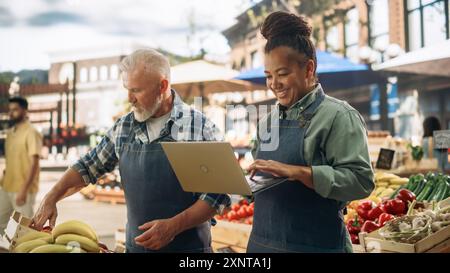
(322, 149)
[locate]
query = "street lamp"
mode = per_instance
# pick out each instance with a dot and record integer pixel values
(369, 55)
(394, 50)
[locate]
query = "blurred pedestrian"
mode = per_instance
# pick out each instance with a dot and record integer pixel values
(431, 124)
(20, 182)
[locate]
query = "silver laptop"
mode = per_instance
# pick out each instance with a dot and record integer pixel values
(213, 168)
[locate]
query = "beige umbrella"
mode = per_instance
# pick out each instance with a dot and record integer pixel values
(200, 78)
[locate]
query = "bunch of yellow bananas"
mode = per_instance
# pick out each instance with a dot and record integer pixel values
(69, 237)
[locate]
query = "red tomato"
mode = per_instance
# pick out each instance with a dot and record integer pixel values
(249, 210)
(244, 202)
(252, 204)
(235, 207)
(242, 213)
(232, 215)
(219, 217)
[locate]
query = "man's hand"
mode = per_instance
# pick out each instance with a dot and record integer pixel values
(158, 234)
(47, 211)
(21, 198)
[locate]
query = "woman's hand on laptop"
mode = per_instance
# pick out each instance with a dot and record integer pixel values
(272, 167)
(278, 169)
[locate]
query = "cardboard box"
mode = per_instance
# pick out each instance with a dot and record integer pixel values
(18, 226)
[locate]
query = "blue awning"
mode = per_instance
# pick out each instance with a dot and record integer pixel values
(334, 72)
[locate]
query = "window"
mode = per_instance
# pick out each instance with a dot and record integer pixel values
(414, 31)
(434, 25)
(114, 72)
(379, 27)
(256, 59)
(242, 66)
(93, 74)
(83, 74)
(352, 35)
(103, 73)
(332, 39)
(427, 22)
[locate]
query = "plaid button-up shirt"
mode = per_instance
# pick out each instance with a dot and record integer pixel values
(184, 124)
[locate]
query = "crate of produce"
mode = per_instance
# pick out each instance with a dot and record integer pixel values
(421, 230)
(387, 203)
(69, 237)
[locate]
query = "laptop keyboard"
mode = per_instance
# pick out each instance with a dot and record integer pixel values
(258, 183)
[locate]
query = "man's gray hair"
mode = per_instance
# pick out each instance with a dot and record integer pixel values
(152, 60)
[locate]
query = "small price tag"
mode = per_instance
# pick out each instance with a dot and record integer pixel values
(441, 139)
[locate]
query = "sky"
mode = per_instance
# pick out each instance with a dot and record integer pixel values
(31, 29)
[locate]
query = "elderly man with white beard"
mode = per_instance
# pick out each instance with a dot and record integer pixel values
(161, 216)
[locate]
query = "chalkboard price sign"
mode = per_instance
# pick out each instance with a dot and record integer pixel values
(385, 158)
(441, 139)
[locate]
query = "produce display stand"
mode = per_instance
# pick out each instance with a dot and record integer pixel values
(414, 167)
(109, 196)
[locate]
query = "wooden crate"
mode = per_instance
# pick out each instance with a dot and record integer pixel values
(436, 242)
(358, 248)
(111, 196)
(234, 236)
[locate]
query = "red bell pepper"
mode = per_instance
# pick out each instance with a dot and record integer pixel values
(375, 213)
(395, 206)
(354, 238)
(369, 226)
(354, 225)
(364, 207)
(406, 196)
(384, 217)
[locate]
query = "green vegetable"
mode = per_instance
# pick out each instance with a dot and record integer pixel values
(413, 182)
(437, 192)
(416, 152)
(445, 193)
(422, 183)
(425, 192)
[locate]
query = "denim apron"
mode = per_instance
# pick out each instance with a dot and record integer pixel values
(291, 217)
(152, 192)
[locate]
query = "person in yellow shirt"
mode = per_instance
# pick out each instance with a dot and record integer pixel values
(20, 181)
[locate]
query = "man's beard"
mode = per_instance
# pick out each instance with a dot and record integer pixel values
(143, 115)
(14, 121)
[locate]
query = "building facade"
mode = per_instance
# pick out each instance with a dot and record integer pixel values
(364, 31)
